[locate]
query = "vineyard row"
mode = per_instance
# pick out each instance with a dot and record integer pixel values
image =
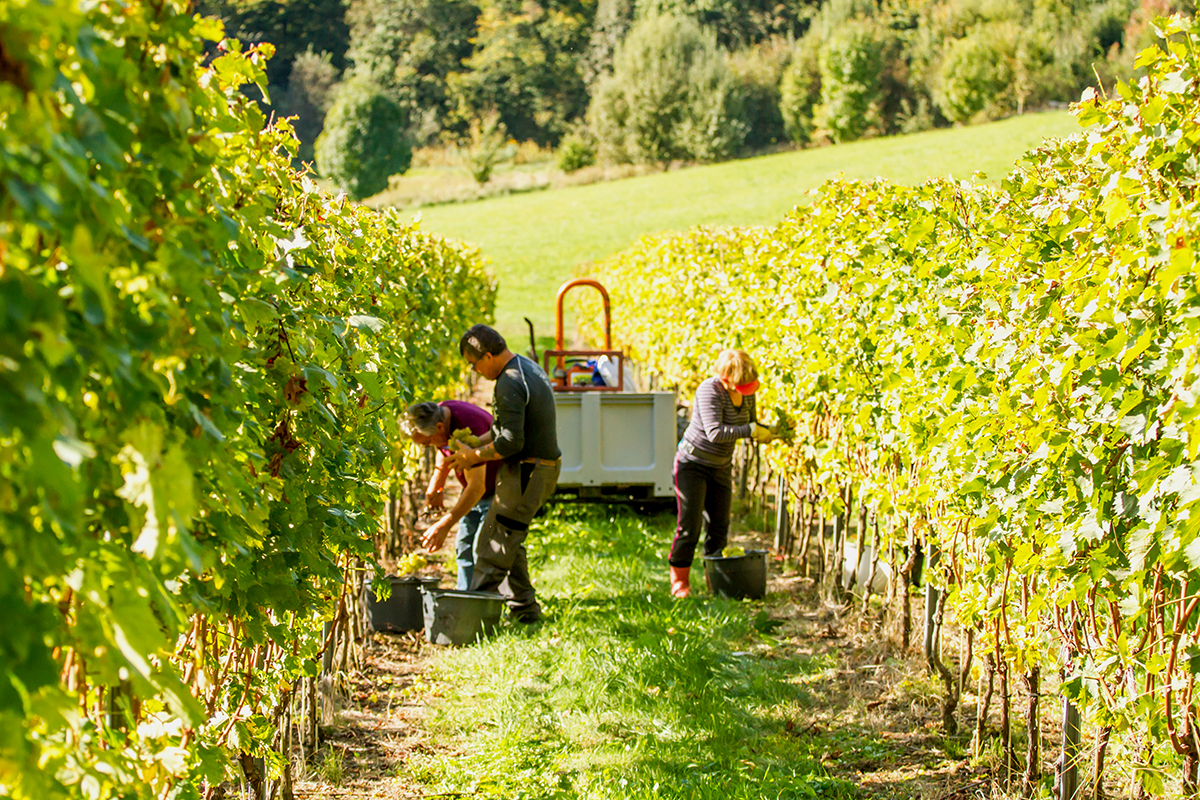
(1003, 376)
(202, 359)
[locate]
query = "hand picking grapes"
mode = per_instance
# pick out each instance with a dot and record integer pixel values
(783, 428)
(463, 437)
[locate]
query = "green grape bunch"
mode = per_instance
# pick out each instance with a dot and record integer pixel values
(410, 564)
(733, 551)
(783, 428)
(463, 438)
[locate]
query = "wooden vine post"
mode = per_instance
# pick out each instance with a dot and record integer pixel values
(841, 533)
(932, 598)
(1068, 775)
(782, 520)
(906, 573)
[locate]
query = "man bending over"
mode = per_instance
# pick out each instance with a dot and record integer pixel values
(432, 425)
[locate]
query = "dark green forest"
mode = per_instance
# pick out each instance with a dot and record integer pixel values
(654, 81)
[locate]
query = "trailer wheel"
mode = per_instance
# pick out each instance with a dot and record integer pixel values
(651, 508)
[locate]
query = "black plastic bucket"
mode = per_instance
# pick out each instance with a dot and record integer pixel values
(453, 616)
(403, 610)
(738, 577)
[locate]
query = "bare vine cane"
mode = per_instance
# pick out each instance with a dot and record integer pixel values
(868, 588)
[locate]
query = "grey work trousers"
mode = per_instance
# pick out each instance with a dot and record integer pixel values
(500, 561)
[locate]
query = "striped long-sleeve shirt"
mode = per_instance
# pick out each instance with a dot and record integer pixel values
(717, 424)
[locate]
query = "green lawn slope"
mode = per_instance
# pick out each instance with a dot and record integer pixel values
(535, 241)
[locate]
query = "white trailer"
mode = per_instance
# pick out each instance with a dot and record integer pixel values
(617, 445)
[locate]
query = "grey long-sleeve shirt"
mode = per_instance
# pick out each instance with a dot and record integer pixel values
(523, 406)
(717, 423)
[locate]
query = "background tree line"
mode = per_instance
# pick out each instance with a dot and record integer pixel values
(653, 81)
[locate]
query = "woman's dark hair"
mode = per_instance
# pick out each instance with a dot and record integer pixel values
(481, 340)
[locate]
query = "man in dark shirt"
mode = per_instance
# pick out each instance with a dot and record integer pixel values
(524, 438)
(432, 425)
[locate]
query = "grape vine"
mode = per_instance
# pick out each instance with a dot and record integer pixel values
(202, 358)
(1007, 376)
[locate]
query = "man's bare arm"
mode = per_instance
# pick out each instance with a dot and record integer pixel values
(465, 459)
(437, 481)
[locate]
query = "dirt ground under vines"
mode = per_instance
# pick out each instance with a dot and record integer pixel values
(878, 708)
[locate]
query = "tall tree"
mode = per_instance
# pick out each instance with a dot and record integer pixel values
(293, 26)
(671, 96)
(409, 48)
(527, 67)
(612, 22)
(738, 23)
(364, 141)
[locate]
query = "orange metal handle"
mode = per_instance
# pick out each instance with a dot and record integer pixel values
(558, 319)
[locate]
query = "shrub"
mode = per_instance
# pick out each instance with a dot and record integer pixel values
(851, 61)
(799, 91)
(914, 116)
(976, 78)
(576, 152)
(363, 143)
(530, 152)
(711, 127)
(670, 96)
(488, 146)
(311, 87)
(758, 71)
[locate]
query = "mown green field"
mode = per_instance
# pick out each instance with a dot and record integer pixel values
(535, 241)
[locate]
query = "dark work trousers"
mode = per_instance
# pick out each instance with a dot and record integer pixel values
(704, 495)
(500, 562)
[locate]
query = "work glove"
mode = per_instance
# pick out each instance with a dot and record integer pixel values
(762, 434)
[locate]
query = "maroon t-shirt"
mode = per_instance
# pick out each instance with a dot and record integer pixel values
(468, 415)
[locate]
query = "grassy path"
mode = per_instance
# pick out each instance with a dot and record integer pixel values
(624, 693)
(536, 240)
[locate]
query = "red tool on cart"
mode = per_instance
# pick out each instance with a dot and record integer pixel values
(579, 370)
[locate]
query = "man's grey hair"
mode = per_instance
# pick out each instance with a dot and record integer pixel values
(422, 418)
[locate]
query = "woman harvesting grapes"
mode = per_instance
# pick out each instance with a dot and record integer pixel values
(723, 412)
